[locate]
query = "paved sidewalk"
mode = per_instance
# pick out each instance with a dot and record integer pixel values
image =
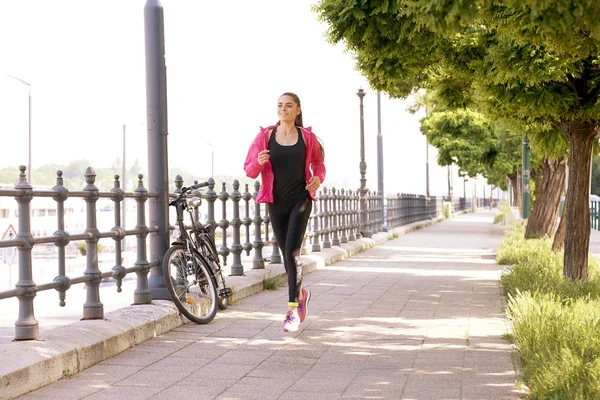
(416, 317)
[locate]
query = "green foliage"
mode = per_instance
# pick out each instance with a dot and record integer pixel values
(529, 63)
(82, 248)
(73, 176)
(74, 179)
(534, 267)
(477, 146)
(502, 216)
(447, 210)
(554, 320)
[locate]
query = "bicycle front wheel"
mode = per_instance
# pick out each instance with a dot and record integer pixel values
(191, 284)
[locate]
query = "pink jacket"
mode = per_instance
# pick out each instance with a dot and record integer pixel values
(314, 162)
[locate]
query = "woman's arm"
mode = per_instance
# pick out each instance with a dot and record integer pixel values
(251, 165)
(317, 162)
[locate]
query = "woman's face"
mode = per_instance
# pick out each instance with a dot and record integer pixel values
(287, 109)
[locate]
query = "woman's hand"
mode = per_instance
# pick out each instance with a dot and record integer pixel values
(313, 184)
(263, 157)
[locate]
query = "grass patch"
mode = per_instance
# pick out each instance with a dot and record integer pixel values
(555, 321)
(271, 282)
(508, 337)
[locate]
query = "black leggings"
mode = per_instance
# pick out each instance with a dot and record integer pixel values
(289, 224)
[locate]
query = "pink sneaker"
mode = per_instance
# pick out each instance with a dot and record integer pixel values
(303, 306)
(290, 324)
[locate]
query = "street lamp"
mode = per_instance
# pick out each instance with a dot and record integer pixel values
(29, 95)
(380, 164)
(212, 159)
(363, 229)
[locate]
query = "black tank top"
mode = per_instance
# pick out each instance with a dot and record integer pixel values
(288, 169)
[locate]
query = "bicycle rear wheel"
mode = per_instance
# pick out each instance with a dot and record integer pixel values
(191, 284)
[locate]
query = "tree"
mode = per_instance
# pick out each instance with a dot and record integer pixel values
(466, 138)
(532, 62)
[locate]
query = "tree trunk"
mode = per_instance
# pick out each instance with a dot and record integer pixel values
(577, 240)
(542, 220)
(559, 237)
(516, 185)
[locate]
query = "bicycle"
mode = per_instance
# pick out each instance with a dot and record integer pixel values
(191, 265)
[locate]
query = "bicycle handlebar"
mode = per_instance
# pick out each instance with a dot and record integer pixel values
(185, 190)
(198, 185)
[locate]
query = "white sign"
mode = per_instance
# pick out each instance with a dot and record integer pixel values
(10, 233)
(9, 255)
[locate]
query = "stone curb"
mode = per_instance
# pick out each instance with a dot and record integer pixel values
(71, 349)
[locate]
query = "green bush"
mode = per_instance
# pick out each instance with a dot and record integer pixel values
(82, 247)
(555, 321)
(447, 210)
(504, 217)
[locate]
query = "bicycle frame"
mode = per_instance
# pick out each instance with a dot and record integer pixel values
(193, 240)
(181, 204)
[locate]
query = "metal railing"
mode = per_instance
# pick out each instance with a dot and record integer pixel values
(243, 227)
(26, 327)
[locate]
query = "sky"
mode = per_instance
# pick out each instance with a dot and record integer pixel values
(227, 65)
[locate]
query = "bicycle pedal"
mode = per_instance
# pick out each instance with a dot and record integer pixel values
(226, 292)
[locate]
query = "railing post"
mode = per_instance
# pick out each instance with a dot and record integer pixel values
(60, 197)
(322, 200)
(369, 211)
(247, 221)
(211, 196)
(344, 216)
(142, 293)
(335, 218)
(404, 204)
(326, 230)
(237, 268)
(275, 253)
(93, 308)
(196, 209)
(316, 244)
(393, 206)
(119, 269)
(26, 326)
(223, 223)
(357, 215)
(349, 217)
(258, 262)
